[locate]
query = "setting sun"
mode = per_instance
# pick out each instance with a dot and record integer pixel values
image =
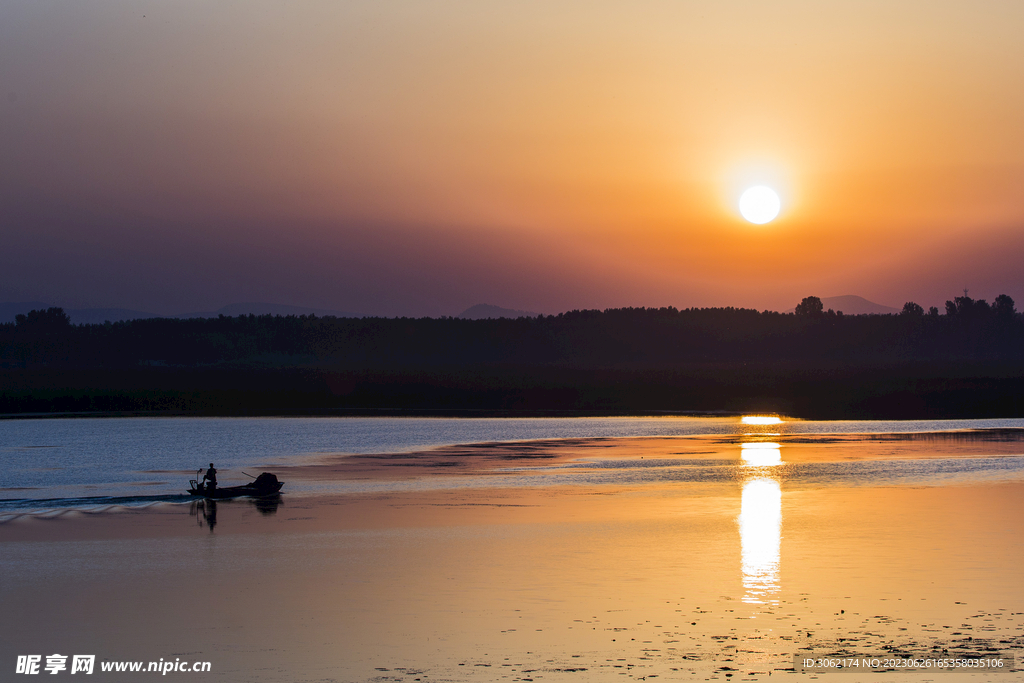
(760, 204)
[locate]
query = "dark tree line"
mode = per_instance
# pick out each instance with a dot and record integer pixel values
(617, 360)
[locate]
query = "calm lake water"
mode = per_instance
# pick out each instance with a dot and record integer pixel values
(54, 463)
(719, 555)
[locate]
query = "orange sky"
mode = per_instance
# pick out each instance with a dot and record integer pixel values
(419, 158)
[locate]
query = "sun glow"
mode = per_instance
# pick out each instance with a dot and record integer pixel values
(760, 204)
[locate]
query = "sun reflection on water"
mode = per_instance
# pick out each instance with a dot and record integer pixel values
(761, 454)
(760, 537)
(761, 420)
(760, 522)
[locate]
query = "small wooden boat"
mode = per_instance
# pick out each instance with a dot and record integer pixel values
(265, 485)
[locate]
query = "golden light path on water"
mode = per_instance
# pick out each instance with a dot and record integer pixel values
(761, 454)
(760, 518)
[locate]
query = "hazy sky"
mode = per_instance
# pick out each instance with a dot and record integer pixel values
(418, 157)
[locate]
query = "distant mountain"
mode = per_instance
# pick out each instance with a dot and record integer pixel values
(259, 308)
(856, 305)
(485, 311)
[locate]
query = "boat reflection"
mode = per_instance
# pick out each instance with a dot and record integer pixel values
(205, 509)
(267, 505)
(760, 522)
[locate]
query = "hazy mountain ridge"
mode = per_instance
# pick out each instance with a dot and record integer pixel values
(851, 304)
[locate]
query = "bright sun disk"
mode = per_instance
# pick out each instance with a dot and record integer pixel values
(760, 204)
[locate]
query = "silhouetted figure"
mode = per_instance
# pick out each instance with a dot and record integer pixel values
(210, 478)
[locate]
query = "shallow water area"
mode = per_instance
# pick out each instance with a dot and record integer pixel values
(48, 464)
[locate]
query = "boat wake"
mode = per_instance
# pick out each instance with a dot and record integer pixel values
(48, 508)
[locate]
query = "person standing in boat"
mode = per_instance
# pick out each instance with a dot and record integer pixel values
(210, 478)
